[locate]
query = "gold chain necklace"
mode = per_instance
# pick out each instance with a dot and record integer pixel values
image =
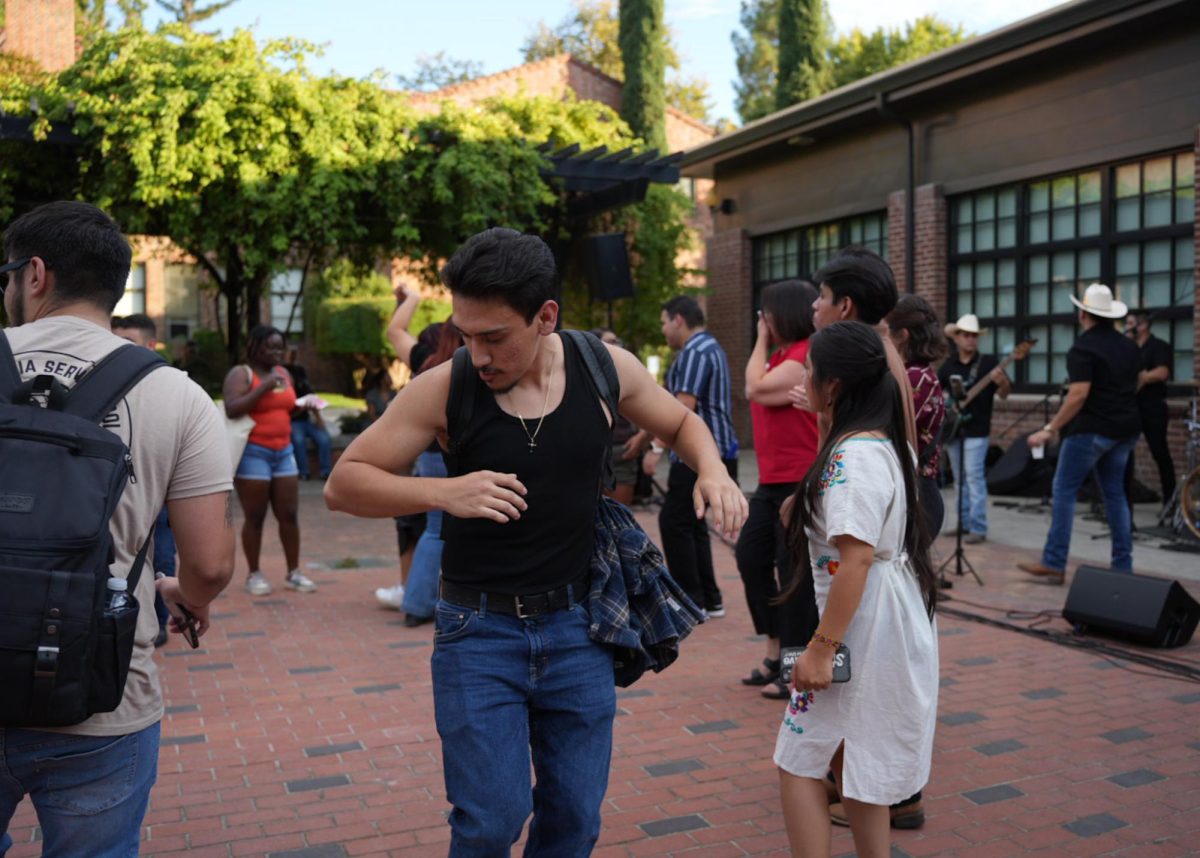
(546, 404)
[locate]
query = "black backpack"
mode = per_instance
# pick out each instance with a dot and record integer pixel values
(62, 656)
(460, 404)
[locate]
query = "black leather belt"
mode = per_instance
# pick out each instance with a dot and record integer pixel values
(532, 605)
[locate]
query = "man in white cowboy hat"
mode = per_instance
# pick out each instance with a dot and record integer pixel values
(976, 426)
(1099, 423)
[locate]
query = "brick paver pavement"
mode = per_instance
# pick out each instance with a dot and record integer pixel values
(304, 727)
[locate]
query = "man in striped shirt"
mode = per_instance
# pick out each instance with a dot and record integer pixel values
(699, 378)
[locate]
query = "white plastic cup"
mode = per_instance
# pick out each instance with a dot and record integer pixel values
(1039, 452)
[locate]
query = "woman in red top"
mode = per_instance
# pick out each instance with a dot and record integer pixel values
(267, 472)
(785, 444)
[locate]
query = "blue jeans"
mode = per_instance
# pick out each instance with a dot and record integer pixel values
(974, 487)
(420, 593)
(90, 792)
(1077, 456)
(302, 430)
(164, 559)
(504, 688)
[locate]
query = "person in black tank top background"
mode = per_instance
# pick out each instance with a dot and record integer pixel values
(515, 674)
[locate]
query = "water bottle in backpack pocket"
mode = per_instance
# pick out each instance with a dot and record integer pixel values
(114, 647)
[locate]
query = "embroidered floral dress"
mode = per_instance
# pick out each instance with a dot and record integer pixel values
(886, 713)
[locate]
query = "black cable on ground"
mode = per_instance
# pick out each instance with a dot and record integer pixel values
(1172, 669)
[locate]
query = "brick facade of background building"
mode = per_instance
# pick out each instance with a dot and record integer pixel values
(43, 30)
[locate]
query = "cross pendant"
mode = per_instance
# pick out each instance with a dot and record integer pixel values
(532, 444)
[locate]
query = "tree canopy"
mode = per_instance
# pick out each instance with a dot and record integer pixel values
(841, 61)
(591, 33)
(187, 12)
(252, 164)
(643, 101)
(803, 32)
(434, 71)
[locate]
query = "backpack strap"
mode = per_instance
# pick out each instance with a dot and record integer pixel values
(10, 379)
(108, 381)
(135, 571)
(602, 373)
(601, 370)
(460, 404)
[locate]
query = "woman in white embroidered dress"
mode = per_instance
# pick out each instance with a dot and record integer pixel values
(857, 522)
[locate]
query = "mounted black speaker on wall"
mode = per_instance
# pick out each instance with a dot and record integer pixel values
(1147, 611)
(606, 265)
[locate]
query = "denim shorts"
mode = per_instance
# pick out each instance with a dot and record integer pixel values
(263, 463)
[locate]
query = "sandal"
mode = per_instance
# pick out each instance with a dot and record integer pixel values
(777, 690)
(758, 677)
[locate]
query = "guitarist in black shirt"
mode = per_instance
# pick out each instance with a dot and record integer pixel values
(976, 425)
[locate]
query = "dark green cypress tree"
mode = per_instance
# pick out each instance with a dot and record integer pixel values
(803, 43)
(643, 99)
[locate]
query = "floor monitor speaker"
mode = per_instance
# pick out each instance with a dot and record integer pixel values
(1148, 611)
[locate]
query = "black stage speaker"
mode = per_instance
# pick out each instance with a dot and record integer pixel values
(1018, 473)
(606, 264)
(1147, 611)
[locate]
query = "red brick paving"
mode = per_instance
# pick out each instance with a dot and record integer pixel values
(241, 770)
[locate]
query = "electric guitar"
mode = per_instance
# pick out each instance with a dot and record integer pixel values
(957, 413)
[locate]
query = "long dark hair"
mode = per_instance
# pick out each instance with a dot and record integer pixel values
(926, 343)
(868, 400)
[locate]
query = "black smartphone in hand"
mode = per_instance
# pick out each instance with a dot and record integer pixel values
(186, 620)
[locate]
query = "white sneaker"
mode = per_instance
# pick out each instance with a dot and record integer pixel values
(257, 584)
(297, 580)
(391, 597)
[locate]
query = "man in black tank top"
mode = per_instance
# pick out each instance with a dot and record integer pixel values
(515, 673)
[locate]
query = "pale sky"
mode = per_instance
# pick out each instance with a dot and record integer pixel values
(361, 36)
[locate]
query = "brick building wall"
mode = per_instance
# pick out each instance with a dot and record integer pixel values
(555, 77)
(43, 30)
(930, 270)
(729, 274)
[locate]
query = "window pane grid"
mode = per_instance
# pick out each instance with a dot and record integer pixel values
(801, 251)
(1128, 225)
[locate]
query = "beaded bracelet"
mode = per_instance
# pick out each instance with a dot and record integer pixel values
(827, 641)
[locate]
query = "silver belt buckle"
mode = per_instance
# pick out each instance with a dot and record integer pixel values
(521, 615)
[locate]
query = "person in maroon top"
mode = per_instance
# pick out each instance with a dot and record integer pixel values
(915, 331)
(785, 444)
(267, 472)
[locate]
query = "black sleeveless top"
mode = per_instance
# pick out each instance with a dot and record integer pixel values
(550, 545)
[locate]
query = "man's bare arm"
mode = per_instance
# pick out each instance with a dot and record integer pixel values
(665, 417)
(203, 530)
(366, 481)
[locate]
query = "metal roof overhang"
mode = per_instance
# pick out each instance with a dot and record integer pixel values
(979, 59)
(599, 181)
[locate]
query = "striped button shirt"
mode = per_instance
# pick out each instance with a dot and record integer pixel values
(702, 370)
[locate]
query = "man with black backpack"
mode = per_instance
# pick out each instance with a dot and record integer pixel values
(515, 671)
(95, 433)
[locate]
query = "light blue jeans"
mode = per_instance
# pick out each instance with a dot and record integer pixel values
(1077, 456)
(507, 689)
(974, 488)
(302, 431)
(90, 792)
(420, 593)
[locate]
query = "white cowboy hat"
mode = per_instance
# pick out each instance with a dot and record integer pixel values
(968, 323)
(1099, 301)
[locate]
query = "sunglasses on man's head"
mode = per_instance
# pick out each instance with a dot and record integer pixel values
(15, 265)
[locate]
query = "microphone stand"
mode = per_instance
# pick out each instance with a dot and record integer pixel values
(959, 557)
